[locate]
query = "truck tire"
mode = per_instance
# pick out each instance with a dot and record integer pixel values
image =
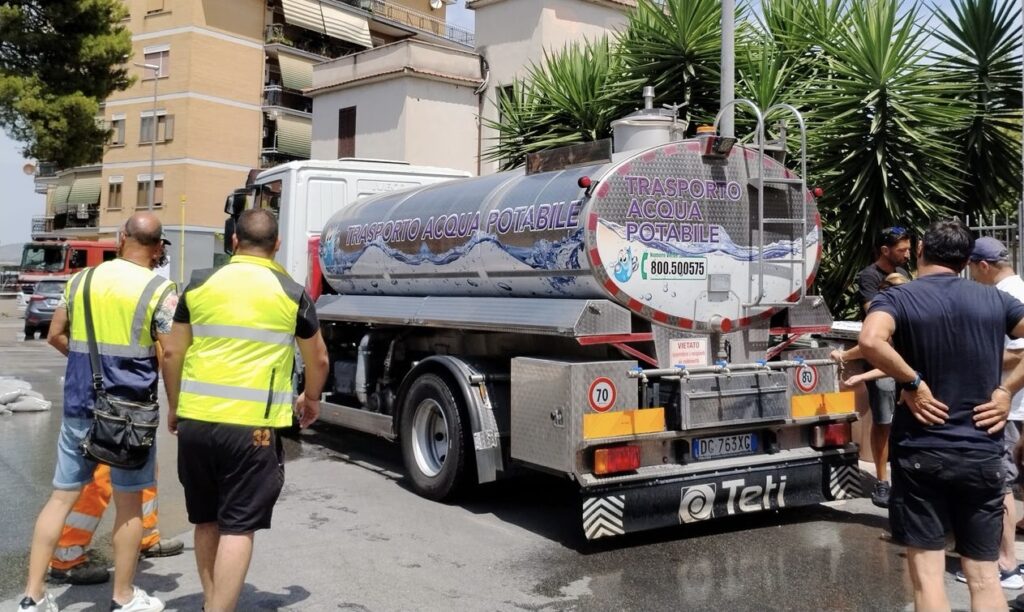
(433, 438)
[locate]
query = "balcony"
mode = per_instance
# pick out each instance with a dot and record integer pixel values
(42, 225)
(313, 43)
(275, 96)
(76, 216)
(383, 9)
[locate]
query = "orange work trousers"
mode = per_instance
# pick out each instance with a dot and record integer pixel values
(85, 517)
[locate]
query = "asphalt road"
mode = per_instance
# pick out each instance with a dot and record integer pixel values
(349, 535)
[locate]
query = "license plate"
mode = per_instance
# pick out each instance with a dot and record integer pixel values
(713, 447)
(52, 302)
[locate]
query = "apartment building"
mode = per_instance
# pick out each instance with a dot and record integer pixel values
(423, 103)
(218, 94)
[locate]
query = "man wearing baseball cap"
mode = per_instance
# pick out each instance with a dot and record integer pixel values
(989, 264)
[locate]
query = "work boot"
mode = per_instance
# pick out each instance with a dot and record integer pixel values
(89, 572)
(880, 494)
(164, 548)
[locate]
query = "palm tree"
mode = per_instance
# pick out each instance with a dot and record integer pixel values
(675, 45)
(571, 97)
(883, 148)
(983, 50)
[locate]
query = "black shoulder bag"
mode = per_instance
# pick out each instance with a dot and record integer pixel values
(122, 431)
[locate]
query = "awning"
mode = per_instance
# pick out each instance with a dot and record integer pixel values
(60, 198)
(328, 19)
(85, 191)
(294, 136)
(296, 72)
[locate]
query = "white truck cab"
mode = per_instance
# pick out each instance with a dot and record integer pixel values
(305, 194)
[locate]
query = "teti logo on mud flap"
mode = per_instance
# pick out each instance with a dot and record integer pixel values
(697, 503)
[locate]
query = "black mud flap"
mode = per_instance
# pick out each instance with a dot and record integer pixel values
(638, 506)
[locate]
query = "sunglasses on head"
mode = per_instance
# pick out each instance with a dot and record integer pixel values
(895, 231)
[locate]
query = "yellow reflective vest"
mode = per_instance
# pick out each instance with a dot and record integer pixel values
(238, 369)
(124, 297)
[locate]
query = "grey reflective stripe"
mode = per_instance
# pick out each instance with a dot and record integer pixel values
(71, 293)
(239, 332)
(138, 321)
(236, 393)
(114, 350)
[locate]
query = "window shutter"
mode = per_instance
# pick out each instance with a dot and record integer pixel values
(168, 127)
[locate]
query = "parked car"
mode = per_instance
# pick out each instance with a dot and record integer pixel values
(42, 302)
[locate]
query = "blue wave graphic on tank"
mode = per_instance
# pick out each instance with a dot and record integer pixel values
(542, 255)
(725, 246)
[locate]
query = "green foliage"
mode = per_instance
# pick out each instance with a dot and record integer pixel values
(58, 60)
(984, 42)
(676, 46)
(883, 149)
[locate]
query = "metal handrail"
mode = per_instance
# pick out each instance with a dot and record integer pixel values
(760, 189)
(417, 20)
(726, 368)
(803, 188)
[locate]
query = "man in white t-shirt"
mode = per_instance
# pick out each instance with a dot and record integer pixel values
(990, 265)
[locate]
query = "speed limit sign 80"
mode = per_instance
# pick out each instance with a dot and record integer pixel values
(806, 378)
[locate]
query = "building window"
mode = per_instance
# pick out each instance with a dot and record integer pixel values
(114, 196)
(142, 197)
(157, 56)
(164, 127)
(117, 131)
(154, 6)
(347, 132)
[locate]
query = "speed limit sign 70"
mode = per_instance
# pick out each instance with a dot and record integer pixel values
(601, 394)
(806, 378)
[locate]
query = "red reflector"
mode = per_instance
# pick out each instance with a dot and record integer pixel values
(584, 182)
(818, 192)
(833, 434)
(616, 459)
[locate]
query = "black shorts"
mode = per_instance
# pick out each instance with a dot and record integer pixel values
(938, 490)
(232, 474)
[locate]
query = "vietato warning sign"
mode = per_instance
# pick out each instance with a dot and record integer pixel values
(689, 352)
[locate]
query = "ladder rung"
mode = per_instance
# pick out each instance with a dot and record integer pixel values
(775, 261)
(778, 181)
(782, 220)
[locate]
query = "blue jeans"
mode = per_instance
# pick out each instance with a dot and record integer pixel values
(74, 470)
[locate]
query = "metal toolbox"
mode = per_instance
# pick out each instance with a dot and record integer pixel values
(549, 399)
(709, 401)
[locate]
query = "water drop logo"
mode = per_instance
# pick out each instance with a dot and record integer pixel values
(697, 503)
(626, 265)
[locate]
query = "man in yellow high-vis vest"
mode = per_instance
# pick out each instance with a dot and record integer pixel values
(228, 373)
(129, 304)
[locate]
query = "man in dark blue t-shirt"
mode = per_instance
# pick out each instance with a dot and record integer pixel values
(946, 350)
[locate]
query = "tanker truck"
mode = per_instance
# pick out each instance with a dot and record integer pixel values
(604, 318)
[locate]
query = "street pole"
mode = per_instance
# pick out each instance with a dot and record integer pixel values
(1020, 202)
(152, 141)
(727, 123)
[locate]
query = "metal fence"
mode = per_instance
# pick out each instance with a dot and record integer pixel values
(1003, 229)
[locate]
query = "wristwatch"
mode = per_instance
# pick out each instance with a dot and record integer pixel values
(914, 384)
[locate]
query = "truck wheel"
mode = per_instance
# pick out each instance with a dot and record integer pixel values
(433, 438)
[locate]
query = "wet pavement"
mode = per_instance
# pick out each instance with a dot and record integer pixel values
(349, 535)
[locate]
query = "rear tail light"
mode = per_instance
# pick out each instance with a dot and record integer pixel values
(616, 459)
(832, 434)
(36, 298)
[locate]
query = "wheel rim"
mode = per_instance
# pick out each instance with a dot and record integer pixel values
(430, 437)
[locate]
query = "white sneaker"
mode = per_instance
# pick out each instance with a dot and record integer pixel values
(46, 604)
(141, 602)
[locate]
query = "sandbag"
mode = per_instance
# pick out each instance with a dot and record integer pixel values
(29, 404)
(34, 394)
(9, 396)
